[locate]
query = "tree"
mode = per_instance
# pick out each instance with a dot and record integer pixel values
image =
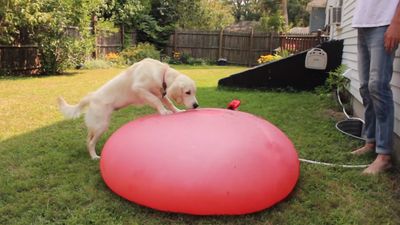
(124, 12)
(298, 15)
(246, 9)
(296, 10)
(204, 14)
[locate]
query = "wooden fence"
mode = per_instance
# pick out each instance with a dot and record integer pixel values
(19, 59)
(107, 41)
(238, 47)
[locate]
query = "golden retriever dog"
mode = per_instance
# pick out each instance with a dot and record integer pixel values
(148, 82)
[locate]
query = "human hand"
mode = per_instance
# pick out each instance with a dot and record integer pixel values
(392, 36)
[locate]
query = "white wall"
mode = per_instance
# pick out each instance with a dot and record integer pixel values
(346, 32)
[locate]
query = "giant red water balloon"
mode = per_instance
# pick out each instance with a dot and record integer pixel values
(204, 162)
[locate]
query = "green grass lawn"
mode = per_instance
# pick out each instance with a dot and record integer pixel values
(47, 176)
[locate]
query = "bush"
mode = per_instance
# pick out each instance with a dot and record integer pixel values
(336, 79)
(283, 53)
(139, 52)
(56, 55)
(268, 58)
(115, 59)
(183, 58)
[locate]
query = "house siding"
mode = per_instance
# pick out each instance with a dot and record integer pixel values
(349, 35)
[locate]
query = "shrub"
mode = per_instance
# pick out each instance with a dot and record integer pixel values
(114, 58)
(56, 55)
(183, 58)
(139, 52)
(283, 53)
(268, 58)
(336, 79)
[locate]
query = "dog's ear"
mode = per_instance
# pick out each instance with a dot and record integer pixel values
(175, 91)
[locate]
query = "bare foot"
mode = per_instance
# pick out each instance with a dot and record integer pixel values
(368, 147)
(381, 164)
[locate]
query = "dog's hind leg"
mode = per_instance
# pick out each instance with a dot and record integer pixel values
(92, 139)
(89, 144)
(97, 123)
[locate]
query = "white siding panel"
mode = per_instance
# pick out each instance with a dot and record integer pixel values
(397, 126)
(395, 80)
(396, 95)
(396, 66)
(347, 33)
(397, 117)
(356, 94)
(353, 66)
(349, 56)
(351, 41)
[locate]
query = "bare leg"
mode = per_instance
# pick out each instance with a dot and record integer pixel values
(368, 147)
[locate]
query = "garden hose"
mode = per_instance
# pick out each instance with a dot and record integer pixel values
(332, 164)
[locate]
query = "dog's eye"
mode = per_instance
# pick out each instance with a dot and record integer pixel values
(188, 92)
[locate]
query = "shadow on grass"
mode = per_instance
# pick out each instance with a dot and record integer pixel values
(26, 77)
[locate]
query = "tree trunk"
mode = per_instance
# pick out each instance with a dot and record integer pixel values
(284, 11)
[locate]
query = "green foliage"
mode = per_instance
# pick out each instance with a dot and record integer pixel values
(204, 15)
(336, 80)
(139, 52)
(283, 53)
(250, 10)
(246, 10)
(123, 11)
(272, 23)
(298, 15)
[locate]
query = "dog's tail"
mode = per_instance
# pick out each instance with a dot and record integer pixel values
(72, 111)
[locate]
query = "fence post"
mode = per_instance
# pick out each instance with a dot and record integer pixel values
(122, 33)
(93, 25)
(271, 41)
(221, 36)
(249, 57)
(175, 40)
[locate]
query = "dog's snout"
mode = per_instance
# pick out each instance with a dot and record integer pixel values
(195, 105)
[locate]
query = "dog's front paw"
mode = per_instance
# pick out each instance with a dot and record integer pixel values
(165, 112)
(96, 157)
(179, 110)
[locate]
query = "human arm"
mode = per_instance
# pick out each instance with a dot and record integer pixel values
(392, 35)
